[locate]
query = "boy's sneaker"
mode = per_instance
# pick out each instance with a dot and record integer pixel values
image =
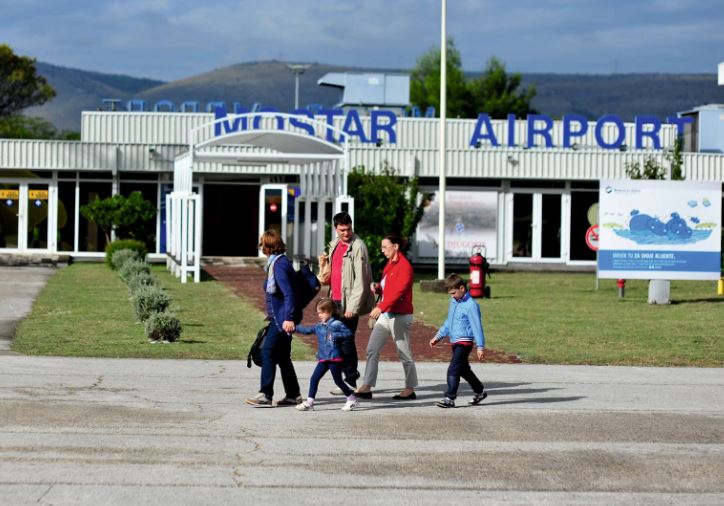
(290, 401)
(336, 391)
(446, 403)
(350, 405)
(260, 400)
(305, 406)
(478, 398)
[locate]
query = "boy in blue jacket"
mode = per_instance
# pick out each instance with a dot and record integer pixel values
(330, 334)
(464, 325)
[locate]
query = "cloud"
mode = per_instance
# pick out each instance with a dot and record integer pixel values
(171, 39)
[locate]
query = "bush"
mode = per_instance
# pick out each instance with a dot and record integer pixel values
(163, 326)
(139, 279)
(131, 267)
(135, 245)
(122, 256)
(148, 300)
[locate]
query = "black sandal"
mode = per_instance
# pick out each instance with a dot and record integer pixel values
(410, 397)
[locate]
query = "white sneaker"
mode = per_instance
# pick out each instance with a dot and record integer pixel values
(259, 401)
(305, 406)
(350, 405)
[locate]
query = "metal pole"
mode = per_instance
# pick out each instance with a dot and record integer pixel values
(441, 162)
(296, 90)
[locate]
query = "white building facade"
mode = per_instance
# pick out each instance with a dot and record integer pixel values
(522, 189)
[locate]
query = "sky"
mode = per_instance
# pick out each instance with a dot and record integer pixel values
(173, 39)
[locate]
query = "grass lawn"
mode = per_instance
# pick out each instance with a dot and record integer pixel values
(542, 317)
(562, 319)
(85, 310)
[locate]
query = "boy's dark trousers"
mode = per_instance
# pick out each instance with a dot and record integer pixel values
(460, 367)
(348, 350)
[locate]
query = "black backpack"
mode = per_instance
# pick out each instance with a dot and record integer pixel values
(255, 350)
(308, 285)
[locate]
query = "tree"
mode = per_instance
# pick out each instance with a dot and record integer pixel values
(384, 203)
(20, 85)
(494, 92)
(23, 127)
(425, 82)
(650, 170)
(129, 216)
(497, 94)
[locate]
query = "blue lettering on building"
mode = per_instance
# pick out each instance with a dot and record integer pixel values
(383, 125)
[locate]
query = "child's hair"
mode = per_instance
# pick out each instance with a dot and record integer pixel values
(453, 282)
(327, 305)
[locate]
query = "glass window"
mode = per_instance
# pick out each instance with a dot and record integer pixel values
(523, 225)
(551, 226)
(150, 193)
(581, 203)
(90, 236)
(9, 211)
(66, 216)
(37, 229)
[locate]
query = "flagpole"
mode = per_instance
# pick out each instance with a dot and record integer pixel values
(441, 161)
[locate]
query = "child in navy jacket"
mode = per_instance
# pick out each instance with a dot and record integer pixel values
(464, 325)
(330, 333)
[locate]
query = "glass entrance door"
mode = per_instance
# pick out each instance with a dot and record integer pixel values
(9, 216)
(273, 209)
(535, 233)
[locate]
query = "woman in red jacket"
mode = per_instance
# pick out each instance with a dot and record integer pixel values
(394, 317)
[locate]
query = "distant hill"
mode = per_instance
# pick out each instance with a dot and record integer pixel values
(81, 90)
(271, 83)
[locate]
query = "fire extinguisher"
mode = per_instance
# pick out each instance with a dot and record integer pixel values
(479, 267)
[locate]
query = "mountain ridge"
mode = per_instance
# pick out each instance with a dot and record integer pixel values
(271, 83)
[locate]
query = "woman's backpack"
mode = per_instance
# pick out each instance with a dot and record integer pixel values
(255, 350)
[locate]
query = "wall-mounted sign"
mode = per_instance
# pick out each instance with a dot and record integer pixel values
(9, 194)
(659, 230)
(38, 194)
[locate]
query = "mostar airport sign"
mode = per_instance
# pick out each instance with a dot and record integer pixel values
(383, 125)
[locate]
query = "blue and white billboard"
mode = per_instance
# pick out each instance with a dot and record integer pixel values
(659, 230)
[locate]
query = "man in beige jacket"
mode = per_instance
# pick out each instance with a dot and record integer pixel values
(347, 272)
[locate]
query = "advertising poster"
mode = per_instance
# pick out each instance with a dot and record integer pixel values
(470, 220)
(659, 230)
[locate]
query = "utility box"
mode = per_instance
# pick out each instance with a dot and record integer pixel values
(659, 291)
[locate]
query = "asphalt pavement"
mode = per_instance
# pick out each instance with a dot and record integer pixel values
(109, 431)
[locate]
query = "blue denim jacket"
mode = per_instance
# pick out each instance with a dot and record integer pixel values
(329, 334)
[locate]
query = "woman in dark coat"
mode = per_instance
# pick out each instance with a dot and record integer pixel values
(283, 313)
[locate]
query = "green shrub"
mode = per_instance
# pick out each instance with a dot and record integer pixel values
(163, 326)
(132, 267)
(138, 246)
(149, 299)
(122, 256)
(139, 279)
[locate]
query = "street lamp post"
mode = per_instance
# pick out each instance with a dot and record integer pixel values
(441, 161)
(297, 69)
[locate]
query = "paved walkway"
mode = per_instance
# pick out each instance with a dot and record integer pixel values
(18, 288)
(104, 431)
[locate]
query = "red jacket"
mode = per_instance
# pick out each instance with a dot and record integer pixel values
(397, 294)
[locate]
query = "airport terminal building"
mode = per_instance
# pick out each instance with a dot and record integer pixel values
(523, 188)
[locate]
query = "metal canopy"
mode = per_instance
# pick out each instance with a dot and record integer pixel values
(276, 140)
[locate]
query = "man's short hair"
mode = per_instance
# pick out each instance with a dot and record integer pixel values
(453, 282)
(342, 219)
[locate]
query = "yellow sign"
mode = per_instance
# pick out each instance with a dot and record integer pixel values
(10, 194)
(38, 194)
